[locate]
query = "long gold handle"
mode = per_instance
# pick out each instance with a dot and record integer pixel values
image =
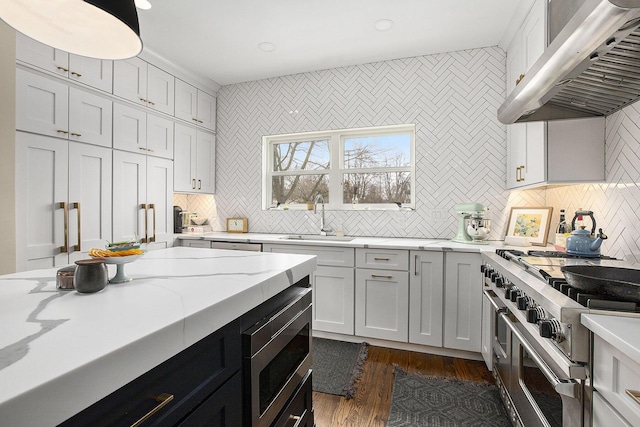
(635, 395)
(78, 247)
(375, 276)
(415, 266)
(64, 249)
(145, 239)
(153, 238)
(381, 259)
(164, 399)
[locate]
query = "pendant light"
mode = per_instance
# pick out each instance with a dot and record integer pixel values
(106, 29)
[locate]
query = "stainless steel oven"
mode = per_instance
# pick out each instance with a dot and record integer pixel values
(277, 359)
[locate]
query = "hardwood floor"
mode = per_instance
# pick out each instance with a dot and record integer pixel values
(370, 405)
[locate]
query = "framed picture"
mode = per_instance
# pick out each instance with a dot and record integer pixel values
(530, 223)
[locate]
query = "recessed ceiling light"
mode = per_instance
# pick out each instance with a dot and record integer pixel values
(266, 47)
(143, 4)
(384, 24)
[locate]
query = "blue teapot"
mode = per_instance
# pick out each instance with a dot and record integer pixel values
(582, 242)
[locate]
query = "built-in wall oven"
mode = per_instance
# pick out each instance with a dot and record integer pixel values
(277, 364)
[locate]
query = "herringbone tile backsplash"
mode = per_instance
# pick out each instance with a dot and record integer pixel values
(460, 148)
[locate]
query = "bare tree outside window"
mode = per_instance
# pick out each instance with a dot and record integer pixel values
(370, 166)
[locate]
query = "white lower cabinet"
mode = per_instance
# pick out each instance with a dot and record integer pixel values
(332, 284)
(63, 202)
(462, 301)
(382, 304)
(333, 299)
(425, 297)
(615, 374)
(143, 199)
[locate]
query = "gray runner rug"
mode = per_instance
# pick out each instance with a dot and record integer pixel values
(337, 365)
(420, 400)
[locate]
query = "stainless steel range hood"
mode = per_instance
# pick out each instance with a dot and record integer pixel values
(590, 68)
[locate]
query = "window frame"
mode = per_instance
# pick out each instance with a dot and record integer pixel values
(336, 169)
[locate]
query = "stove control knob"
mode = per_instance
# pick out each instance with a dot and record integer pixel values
(551, 329)
(523, 302)
(533, 315)
(483, 267)
(507, 292)
(515, 293)
(494, 276)
(500, 281)
(487, 271)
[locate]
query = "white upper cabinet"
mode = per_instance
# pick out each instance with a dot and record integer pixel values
(136, 131)
(194, 105)
(97, 73)
(49, 107)
(142, 83)
(90, 118)
(42, 105)
(194, 160)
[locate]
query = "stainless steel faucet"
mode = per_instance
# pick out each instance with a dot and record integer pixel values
(323, 230)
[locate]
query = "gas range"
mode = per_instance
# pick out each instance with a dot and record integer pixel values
(537, 336)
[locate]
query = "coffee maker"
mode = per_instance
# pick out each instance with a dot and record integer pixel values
(177, 219)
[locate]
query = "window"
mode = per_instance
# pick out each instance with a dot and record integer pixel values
(370, 168)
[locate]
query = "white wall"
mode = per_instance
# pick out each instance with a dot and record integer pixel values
(7, 148)
(460, 146)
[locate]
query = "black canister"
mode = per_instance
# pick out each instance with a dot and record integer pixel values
(91, 275)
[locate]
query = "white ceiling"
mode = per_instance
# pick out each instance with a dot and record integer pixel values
(218, 39)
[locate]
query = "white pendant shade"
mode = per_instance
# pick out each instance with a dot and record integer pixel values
(78, 26)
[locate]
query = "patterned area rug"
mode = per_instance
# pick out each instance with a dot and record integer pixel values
(337, 365)
(419, 400)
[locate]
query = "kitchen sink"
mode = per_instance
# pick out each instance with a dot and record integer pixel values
(318, 238)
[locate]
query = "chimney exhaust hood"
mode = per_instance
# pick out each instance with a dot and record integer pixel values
(590, 68)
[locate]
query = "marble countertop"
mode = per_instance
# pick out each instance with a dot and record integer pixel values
(357, 242)
(61, 351)
(621, 332)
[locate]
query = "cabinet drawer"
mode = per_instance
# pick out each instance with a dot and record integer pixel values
(299, 412)
(382, 258)
(219, 410)
(327, 255)
(190, 377)
(604, 415)
(613, 374)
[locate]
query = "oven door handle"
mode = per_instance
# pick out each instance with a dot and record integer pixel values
(569, 387)
(498, 310)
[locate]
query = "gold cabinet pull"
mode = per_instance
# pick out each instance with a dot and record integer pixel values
(415, 265)
(145, 239)
(199, 184)
(64, 249)
(62, 69)
(62, 131)
(76, 74)
(153, 238)
(78, 247)
(193, 184)
(522, 173)
(76, 134)
(163, 399)
(376, 276)
(381, 259)
(519, 79)
(635, 395)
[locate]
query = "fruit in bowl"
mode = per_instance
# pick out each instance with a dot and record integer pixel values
(123, 246)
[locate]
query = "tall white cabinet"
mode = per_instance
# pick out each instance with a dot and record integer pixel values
(64, 200)
(462, 301)
(426, 274)
(143, 199)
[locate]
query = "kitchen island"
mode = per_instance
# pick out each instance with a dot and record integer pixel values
(62, 351)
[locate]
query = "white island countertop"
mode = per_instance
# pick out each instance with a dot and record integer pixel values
(61, 351)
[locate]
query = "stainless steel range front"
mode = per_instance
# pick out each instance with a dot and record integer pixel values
(540, 350)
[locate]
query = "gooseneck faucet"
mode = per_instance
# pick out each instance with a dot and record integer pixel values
(323, 231)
